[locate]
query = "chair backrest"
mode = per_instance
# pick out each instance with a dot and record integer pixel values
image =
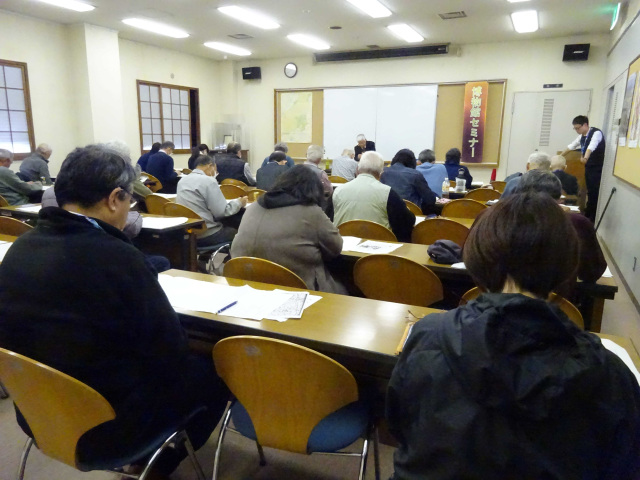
(186, 171)
(254, 193)
(58, 408)
(367, 229)
(397, 279)
(413, 208)
(286, 389)
(233, 181)
(155, 204)
(3, 202)
(432, 229)
(483, 194)
(172, 209)
(152, 183)
(337, 179)
(259, 270)
(463, 208)
(232, 191)
(498, 185)
(11, 226)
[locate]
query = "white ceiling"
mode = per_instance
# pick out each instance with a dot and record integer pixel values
(487, 21)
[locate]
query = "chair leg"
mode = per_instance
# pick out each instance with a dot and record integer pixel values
(376, 452)
(223, 430)
(363, 459)
(192, 456)
(3, 392)
(263, 460)
(156, 455)
(23, 459)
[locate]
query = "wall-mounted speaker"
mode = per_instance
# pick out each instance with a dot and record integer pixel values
(251, 73)
(578, 52)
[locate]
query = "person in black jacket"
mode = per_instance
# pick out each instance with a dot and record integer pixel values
(452, 164)
(568, 181)
(507, 387)
(267, 175)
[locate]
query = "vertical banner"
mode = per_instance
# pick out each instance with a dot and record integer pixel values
(476, 95)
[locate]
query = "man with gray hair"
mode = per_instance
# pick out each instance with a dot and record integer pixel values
(14, 190)
(363, 145)
(434, 173)
(568, 181)
(281, 147)
(536, 161)
(231, 165)
(345, 166)
(314, 155)
(365, 198)
(35, 167)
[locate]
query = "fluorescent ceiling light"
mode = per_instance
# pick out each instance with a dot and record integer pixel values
(526, 21)
(372, 8)
(307, 41)
(616, 15)
(71, 5)
(155, 27)
(518, 1)
(224, 47)
(249, 16)
(406, 33)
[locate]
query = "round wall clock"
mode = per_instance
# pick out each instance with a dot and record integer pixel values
(290, 70)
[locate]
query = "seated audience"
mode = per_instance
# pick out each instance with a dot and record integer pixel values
(201, 193)
(363, 145)
(365, 198)
(144, 158)
(536, 161)
(160, 165)
(280, 147)
(14, 190)
(231, 165)
(196, 151)
(345, 166)
(314, 155)
(267, 174)
(507, 387)
(569, 182)
(287, 226)
(407, 182)
(434, 173)
(35, 167)
(108, 323)
(140, 190)
(452, 164)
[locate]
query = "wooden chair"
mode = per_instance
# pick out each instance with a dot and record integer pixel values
(413, 208)
(254, 193)
(259, 270)
(463, 208)
(498, 185)
(285, 395)
(432, 229)
(569, 309)
(3, 202)
(155, 204)
(172, 209)
(233, 181)
(367, 229)
(12, 226)
(337, 179)
(397, 279)
(60, 409)
(152, 183)
(482, 194)
(232, 191)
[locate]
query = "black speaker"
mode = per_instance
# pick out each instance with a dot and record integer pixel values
(251, 73)
(578, 52)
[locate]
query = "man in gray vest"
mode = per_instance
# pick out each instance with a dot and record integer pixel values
(36, 166)
(14, 190)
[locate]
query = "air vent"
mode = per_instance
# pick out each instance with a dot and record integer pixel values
(240, 36)
(351, 55)
(452, 15)
(545, 126)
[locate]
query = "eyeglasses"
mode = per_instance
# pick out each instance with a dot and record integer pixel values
(131, 199)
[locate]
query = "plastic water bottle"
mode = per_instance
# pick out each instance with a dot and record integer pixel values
(445, 188)
(460, 181)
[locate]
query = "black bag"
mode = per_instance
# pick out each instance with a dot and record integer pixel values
(445, 252)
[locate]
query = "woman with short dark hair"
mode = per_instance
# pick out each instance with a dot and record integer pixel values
(507, 386)
(288, 226)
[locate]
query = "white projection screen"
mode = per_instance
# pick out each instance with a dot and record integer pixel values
(393, 117)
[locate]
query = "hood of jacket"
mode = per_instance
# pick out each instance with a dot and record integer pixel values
(278, 199)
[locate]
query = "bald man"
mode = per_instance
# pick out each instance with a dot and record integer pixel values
(35, 167)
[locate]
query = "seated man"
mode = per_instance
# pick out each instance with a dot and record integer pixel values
(160, 165)
(144, 158)
(314, 155)
(14, 190)
(365, 198)
(95, 311)
(36, 166)
(268, 173)
(363, 146)
(452, 164)
(280, 147)
(230, 165)
(536, 161)
(200, 192)
(568, 181)
(345, 166)
(434, 173)
(407, 182)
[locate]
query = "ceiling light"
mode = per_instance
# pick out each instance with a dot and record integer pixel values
(372, 8)
(71, 5)
(518, 1)
(406, 33)
(249, 16)
(526, 21)
(616, 15)
(155, 27)
(307, 41)
(225, 47)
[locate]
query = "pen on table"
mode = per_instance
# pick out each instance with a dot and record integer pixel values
(225, 308)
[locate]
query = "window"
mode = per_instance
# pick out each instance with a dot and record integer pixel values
(168, 113)
(16, 124)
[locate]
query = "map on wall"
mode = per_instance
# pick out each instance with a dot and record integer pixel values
(296, 117)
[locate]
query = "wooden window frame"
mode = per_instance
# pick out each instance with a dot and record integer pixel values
(27, 105)
(194, 113)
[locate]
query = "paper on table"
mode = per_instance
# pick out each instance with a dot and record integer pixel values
(310, 300)
(162, 222)
(623, 354)
(419, 220)
(348, 243)
(458, 265)
(30, 208)
(292, 308)
(197, 295)
(371, 246)
(607, 273)
(256, 304)
(4, 247)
